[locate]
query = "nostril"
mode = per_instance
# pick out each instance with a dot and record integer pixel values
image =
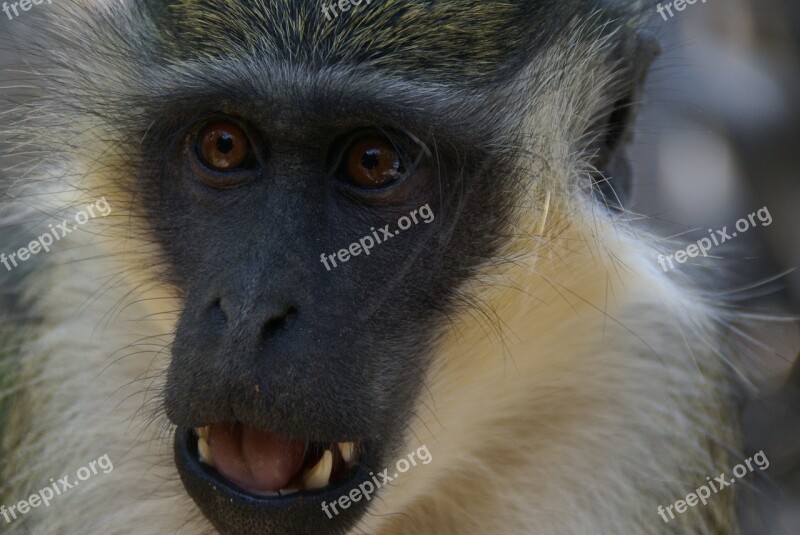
(275, 324)
(217, 316)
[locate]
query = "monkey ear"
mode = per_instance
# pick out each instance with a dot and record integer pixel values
(613, 177)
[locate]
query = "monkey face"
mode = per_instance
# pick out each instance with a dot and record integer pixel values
(316, 254)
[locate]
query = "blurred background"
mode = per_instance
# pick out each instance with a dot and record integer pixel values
(717, 138)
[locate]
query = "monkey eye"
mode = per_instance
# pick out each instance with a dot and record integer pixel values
(223, 147)
(373, 162)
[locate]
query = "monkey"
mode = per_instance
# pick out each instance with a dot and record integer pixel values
(525, 338)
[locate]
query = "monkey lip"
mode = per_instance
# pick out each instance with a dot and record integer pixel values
(234, 485)
(267, 464)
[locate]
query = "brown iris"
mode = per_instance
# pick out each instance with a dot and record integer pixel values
(373, 162)
(223, 147)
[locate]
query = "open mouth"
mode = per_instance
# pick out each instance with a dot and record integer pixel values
(268, 465)
(247, 480)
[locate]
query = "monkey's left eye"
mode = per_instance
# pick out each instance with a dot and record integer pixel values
(373, 162)
(223, 147)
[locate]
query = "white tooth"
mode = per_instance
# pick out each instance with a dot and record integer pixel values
(347, 449)
(318, 476)
(286, 492)
(203, 432)
(205, 452)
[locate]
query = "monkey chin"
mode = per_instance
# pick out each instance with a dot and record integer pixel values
(250, 481)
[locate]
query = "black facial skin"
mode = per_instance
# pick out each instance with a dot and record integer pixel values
(268, 336)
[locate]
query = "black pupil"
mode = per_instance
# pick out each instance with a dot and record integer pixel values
(371, 158)
(225, 143)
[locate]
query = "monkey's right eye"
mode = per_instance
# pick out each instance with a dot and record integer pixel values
(224, 147)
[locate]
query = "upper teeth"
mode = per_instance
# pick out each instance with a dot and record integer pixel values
(319, 476)
(347, 449)
(205, 452)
